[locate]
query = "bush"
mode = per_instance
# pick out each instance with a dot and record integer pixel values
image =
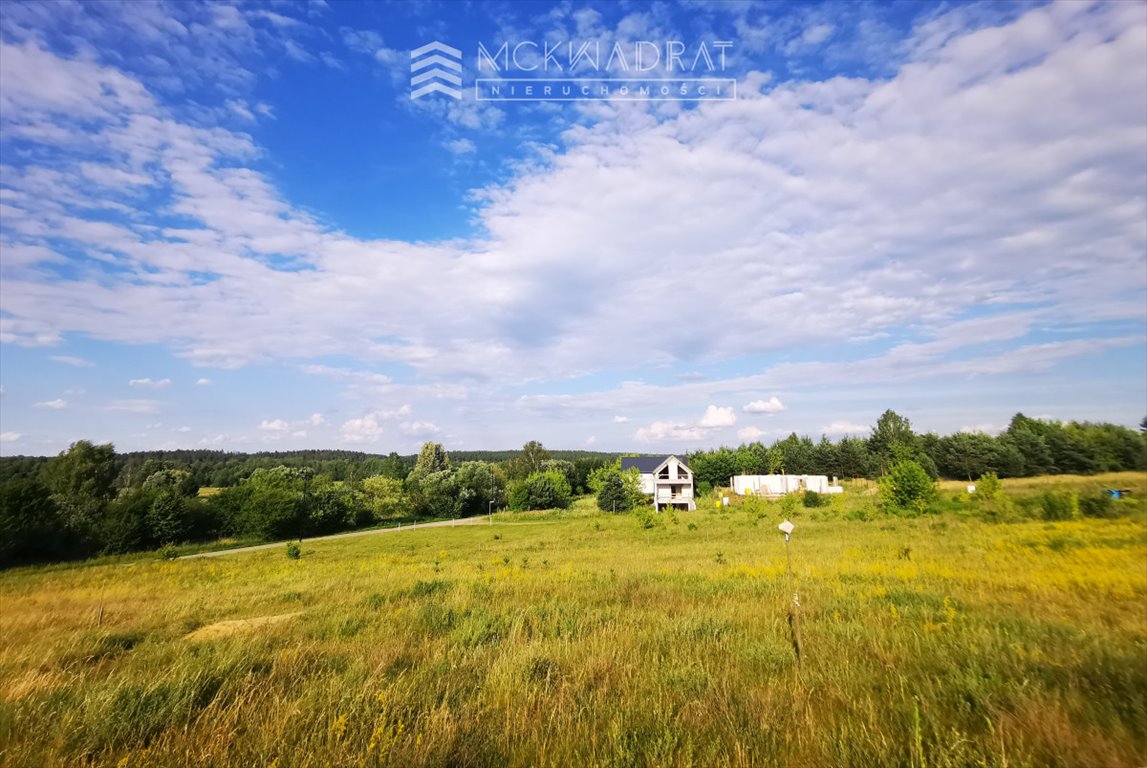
(620, 492)
(1059, 505)
(541, 490)
(988, 486)
(814, 499)
(1099, 505)
(293, 551)
(907, 487)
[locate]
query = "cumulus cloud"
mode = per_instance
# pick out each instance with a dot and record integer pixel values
(274, 426)
(750, 434)
(202, 382)
(362, 430)
(661, 431)
(772, 405)
(9, 437)
(370, 427)
(52, 404)
(817, 206)
(977, 177)
(715, 418)
(419, 428)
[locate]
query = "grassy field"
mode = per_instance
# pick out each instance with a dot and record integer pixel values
(582, 639)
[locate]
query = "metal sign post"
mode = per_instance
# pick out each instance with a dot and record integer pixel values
(794, 609)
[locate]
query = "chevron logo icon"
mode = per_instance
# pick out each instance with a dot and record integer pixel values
(435, 68)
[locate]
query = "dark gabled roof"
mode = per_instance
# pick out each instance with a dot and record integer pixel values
(649, 464)
(644, 464)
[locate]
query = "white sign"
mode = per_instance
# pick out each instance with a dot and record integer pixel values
(786, 527)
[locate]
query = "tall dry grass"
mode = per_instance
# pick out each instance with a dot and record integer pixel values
(587, 639)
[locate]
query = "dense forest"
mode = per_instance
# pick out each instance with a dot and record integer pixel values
(91, 500)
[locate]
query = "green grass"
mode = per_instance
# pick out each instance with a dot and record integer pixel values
(579, 638)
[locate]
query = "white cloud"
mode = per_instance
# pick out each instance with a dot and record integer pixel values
(772, 405)
(461, 146)
(364, 430)
(77, 362)
(750, 434)
(317, 419)
(715, 418)
(369, 428)
(202, 382)
(817, 34)
(150, 383)
(419, 428)
(662, 431)
(620, 419)
(977, 177)
(273, 426)
(52, 404)
(110, 176)
(9, 437)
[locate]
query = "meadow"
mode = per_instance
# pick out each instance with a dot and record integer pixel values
(579, 638)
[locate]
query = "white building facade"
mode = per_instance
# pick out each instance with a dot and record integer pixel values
(779, 485)
(667, 479)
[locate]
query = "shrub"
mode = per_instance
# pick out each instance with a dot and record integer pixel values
(620, 492)
(541, 490)
(988, 486)
(293, 551)
(788, 504)
(1099, 505)
(907, 487)
(1059, 505)
(814, 499)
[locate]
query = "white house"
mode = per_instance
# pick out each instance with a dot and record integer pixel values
(779, 485)
(666, 478)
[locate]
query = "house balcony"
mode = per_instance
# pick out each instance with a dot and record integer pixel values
(666, 496)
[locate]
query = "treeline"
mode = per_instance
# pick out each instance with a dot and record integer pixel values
(222, 469)
(1028, 447)
(90, 500)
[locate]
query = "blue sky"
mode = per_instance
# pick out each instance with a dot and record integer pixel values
(230, 226)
